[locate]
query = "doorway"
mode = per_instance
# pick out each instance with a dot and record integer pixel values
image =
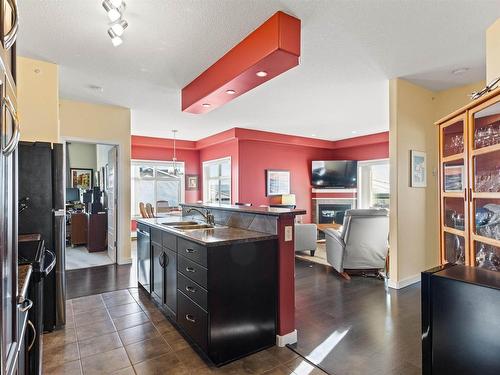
(91, 204)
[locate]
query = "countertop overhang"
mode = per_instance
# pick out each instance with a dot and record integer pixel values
(217, 236)
(270, 211)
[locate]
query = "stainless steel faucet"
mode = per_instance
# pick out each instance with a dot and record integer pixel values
(208, 216)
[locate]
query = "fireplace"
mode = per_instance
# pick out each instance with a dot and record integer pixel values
(332, 212)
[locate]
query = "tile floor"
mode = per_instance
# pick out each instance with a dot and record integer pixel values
(124, 333)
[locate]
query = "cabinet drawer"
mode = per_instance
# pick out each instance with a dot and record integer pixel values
(193, 251)
(192, 290)
(169, 240)
(193, 320)
(192, 271)
(156, 236)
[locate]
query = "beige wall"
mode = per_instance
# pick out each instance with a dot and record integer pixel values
(38, 99)
(493, 51)
(414, 230)
(107, 125)
(82, 155)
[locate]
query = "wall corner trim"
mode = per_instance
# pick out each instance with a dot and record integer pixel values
(289, 338)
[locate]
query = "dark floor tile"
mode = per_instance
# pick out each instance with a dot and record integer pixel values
(159, 365)
(67, 368)
(58, 355)
(99, 344)
(95, 329)
(91, 316)
(138, 333)
(60, 337)
(122, 310)
(105, 363)
(147, 349)
(130, 320)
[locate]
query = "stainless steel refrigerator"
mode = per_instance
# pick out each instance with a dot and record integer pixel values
(42, 210)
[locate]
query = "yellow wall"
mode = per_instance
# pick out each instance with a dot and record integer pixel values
(493, 51)
(38, 99)
(108, 125)
(414, 218)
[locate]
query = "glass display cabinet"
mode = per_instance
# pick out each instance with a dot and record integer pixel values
(469, 156)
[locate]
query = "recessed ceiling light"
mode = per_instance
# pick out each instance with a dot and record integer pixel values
(313, 135)
(119, 27)
(36, 70)
(230, 92)
(115, 39)
(261, 73)
(354, 132)
(206, 105)
(96, 88)
(459, 71)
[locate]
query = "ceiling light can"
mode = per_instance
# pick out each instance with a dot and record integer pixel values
(230, 92)
(261, 73)
(206, 105)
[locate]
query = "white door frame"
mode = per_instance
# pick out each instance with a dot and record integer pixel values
(65, 141)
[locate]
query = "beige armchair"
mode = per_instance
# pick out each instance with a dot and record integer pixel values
(363, 242)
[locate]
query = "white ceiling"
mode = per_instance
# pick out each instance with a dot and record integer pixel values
(340, 89)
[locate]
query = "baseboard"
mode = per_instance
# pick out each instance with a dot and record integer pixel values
(124, 261)
(403, 283)
(289, 338)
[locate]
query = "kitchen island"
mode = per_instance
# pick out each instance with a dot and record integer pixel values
(217, 283)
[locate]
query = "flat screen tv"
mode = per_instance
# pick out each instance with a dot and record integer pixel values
(335, 174)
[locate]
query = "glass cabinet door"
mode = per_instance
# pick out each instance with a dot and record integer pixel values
(485, 184)
(454, 204)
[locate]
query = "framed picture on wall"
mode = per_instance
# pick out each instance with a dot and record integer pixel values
(81, 178)
(277, 182)
(418, 169)
(191, 182)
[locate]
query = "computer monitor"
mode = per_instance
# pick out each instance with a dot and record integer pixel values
(72, 194)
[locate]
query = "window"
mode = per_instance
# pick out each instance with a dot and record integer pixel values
(373, 184)
(217, 181)
(155, 181)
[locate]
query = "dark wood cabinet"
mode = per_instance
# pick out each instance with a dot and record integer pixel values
(210, 292)
(79, 228)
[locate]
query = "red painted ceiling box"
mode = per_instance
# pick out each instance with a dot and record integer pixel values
(273, 48)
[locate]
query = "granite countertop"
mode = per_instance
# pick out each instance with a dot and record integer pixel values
(23, 280)
(220, 235)
(270, 211)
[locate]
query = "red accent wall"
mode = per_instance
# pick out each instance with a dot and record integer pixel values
(257, 156)
(253, 151)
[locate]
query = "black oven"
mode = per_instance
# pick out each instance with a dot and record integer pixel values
(31, 250)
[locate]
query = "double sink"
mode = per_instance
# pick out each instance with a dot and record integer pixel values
(188, 225)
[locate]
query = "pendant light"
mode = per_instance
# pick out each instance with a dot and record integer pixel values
(174, 158)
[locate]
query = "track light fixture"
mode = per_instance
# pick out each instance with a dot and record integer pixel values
(115, 39)
(114, 10)
(114, 13)
(119, 27)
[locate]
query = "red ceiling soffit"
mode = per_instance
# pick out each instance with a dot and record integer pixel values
(274, 48)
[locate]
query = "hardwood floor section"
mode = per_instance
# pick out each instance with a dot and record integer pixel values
(356, 327)
(95, 280)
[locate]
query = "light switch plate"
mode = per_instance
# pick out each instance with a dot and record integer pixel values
(288, 233)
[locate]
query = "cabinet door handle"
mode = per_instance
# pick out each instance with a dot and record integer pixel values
(190, 318)
(190, 269)
(190, 289)
(14, 140)
(166, 260)
(190, 251)
(161, 260)
(25, 305)
(30, 346)
(10, 38)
